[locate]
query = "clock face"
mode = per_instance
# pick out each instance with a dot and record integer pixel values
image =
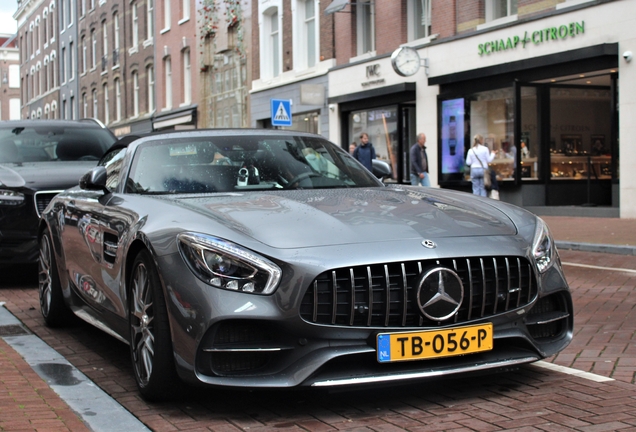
(405, 61)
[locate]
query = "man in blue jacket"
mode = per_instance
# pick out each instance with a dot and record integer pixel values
(365, 152)
(419, 162)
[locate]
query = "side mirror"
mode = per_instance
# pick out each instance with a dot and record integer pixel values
(381, 169)
(95, 179)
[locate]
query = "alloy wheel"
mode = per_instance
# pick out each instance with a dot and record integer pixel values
(141, 325)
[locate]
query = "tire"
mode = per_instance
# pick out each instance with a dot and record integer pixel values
(55, 312)
(150, 343)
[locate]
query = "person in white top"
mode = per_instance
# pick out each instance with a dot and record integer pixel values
(478, 158)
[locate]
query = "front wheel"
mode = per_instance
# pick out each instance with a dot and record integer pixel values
(52, 306)
(150, 343)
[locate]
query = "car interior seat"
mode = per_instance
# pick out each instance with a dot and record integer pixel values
(9, 152)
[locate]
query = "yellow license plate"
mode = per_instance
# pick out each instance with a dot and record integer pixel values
(392, 347)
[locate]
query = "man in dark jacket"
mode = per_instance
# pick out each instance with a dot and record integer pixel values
(365, 152)
(419, 162)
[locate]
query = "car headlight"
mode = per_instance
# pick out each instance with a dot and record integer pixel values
(543, 249)
(226, 265)
(11, 198)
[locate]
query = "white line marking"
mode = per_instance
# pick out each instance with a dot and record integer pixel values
(599, 267)
(575, 372)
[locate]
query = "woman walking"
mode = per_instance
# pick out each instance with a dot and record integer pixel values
(478, 158)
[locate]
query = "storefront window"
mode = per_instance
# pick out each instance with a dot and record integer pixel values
(529, 142)
(490, 114)
(380, 124)
(579, 138)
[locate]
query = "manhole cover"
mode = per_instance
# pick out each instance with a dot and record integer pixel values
(12, 330)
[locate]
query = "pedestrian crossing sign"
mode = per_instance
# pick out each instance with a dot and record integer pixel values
(281, 112)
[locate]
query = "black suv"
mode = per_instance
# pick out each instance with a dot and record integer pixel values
(38, 159)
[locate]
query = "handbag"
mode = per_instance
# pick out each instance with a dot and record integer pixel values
(487, 177)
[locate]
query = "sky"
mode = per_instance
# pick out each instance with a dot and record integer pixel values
(7, 23)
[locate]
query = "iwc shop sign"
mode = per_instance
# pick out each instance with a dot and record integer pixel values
(373, 73)
(536, 37)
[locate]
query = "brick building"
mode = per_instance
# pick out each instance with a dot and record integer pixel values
(9, 77)
(177, 72)
(539, 80)
(39, 64)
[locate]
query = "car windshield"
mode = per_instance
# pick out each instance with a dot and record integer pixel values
(52, 143)
(240, 162)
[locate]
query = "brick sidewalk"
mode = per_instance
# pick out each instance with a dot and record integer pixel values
(27, 403)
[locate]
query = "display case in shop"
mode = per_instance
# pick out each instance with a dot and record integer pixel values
(505, 168)
(576, 167)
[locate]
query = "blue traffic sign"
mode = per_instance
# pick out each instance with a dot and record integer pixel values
(281, 112)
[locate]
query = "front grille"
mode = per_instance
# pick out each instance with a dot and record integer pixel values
(42, 199)
(383, 295)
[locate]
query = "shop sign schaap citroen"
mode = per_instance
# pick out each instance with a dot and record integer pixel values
(536, 37)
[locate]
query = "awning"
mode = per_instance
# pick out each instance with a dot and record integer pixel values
(336, 6)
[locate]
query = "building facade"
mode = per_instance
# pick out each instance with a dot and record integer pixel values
(538, 80)
(9, 77)
(293, 50)
(177, 74)
(39, 65)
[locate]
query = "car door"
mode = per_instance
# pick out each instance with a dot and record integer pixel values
(91, 250)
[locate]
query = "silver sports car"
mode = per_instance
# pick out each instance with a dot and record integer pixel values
(268, 258)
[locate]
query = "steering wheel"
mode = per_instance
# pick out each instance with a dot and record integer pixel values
(300, 177)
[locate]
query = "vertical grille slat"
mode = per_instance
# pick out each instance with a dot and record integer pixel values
(496, 268)
(405, 295)
(470, 289)
(334, 292)
(509, 284)
(387, 315)
(371, 305)
(383, 295)
(483, 287)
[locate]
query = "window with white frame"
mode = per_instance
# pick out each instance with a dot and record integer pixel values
(117, 100)
(71, 107)
(95, 102)
(185, 10)
(187, 78)
(167, 67)
(135, 26)
(104, 43)
(365, 20)
(106, 104)
(53, 70)
(45, 28)
(38, 80)
(166, 14)
(150, 19)
(496, 9)
(14, 109)
(82, 7)
(116, 38)
(47, 111)
(84, 50)
(93, 49)
(62, 19)
(69, 12)
(63, 66)
(37, 34)
(135, 84)
(71, 61)
(53, 110)
(84, 105)
(92, 4)
(53, 29)
(14, 76)
(307, 33)
(271, 58)
(150, 74)
(419, 25)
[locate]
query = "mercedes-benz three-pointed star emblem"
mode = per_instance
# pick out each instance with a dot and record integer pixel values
(429, 244)
(440, 293)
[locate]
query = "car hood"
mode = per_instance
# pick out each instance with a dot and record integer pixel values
(309, 218)
(44, 175)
